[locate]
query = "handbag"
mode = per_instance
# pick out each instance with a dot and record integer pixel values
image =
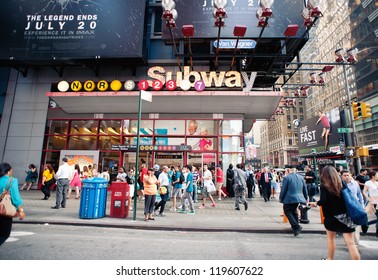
(7, 209)
(211, 187)
(162, 190)
(369, 208)
(354, 209)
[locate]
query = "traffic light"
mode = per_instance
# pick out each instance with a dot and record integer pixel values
(363, 151)
(357, 110)
(366, 110)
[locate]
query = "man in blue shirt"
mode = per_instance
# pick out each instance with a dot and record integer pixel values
(188, 191)
(177, 188)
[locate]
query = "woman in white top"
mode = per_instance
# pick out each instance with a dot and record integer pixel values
(371, 194)
(121, 176)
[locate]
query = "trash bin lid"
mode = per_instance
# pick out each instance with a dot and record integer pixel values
(95, 180)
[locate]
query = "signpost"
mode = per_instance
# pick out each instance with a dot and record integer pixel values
(345, 130)
(145, 95)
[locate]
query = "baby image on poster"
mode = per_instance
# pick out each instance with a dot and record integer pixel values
(205, 143)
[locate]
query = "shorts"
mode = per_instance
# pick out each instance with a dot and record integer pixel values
(176, 192)
(219, 186)
(205, 192)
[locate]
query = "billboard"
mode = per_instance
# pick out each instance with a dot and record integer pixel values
(53, 30)
(241, 12)
(311, 134)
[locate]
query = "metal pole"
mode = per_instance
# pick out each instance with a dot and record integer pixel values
(137, 155)
(354, 134)
(316, 172)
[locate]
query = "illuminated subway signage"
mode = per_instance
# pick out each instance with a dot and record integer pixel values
(229, 79)
(186, 80)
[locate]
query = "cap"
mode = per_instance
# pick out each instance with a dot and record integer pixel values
(65, 159)
(156, 167)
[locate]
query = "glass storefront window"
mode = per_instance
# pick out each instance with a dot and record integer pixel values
(231, 127)
(111, 127)
(83, 127)
(169, 127)
(200, 127)
(146, 127)
(133, 140)
(82, 143)
(203, 144)
(230, 144)
(110, 160)
(106, 142)
(57, 127)
(53, 159)
(57, 142)
(164, 141)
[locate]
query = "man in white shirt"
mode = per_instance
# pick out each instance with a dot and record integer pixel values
(62, 183)
(163, 191)
(208, 187)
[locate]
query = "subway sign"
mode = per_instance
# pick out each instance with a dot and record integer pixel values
(168, 80)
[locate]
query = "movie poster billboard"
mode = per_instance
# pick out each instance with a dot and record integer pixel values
(312, 133)
(239, 12)
(40, 30)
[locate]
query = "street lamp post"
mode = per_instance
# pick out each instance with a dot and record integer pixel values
(313, 152)
(353, 126)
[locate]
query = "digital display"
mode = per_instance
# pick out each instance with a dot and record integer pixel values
(41, 30)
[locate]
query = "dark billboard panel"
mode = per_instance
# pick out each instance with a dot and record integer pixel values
(239, 12)
(310, 134)
(65, 29)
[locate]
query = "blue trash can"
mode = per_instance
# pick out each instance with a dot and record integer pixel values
(93, 198)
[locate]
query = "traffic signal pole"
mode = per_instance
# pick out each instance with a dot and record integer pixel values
(357, 161)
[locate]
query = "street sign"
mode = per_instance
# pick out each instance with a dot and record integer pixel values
(231, 43)
(344, 130)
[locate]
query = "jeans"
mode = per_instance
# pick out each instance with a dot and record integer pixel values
(195, 194)
(162, 202)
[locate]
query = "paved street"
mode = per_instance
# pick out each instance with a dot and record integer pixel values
(55, 242)
(212, 233)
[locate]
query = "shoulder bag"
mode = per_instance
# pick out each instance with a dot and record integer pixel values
(7, 209)
(354, 209)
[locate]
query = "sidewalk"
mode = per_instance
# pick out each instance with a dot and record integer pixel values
(260, 217)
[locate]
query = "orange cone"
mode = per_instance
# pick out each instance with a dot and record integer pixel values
(321, 215)
(284, 218)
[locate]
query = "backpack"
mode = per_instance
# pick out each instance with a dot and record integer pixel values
(182, 178)
(230, 173)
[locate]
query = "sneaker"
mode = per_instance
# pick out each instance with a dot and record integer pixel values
(245, 206)
(237, 208)
(213, 205)
(201, 207)
(162, 215)
(182, 211)
(191, 212)
(173, 209)
(195, 201)
(219, 199)
(156, 212)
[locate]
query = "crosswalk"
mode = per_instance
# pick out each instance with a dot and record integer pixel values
(15, 234)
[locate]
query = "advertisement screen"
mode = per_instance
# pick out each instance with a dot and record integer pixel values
(41, 30)
(239, 12)
(320, 133)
